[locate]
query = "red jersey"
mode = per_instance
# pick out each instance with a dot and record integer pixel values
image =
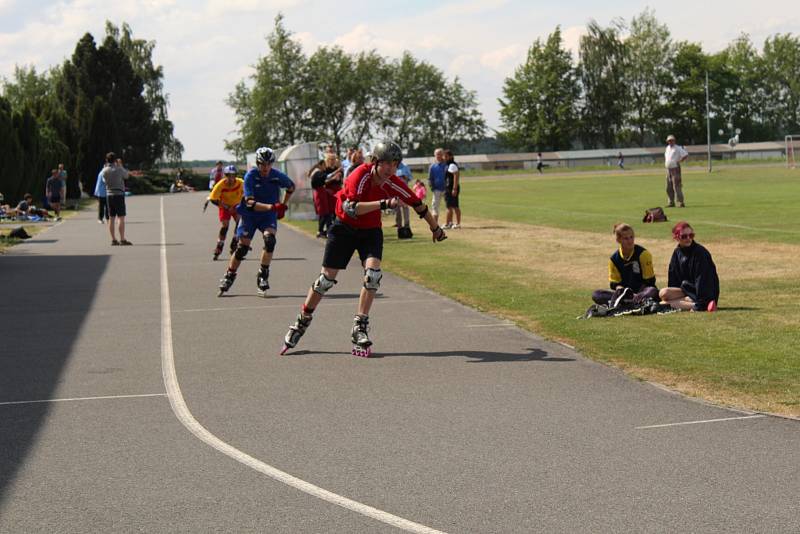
(359, 187)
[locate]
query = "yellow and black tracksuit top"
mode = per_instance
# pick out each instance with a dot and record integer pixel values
(635, 271)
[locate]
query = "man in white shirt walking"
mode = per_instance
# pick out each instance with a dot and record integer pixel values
(674, 155)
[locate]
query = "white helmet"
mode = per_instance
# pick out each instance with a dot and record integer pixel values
(265, 155)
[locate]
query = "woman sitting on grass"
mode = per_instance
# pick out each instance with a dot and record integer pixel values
(693, 280)
(630, 273)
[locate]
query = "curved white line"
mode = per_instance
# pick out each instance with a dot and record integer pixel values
(187, 419)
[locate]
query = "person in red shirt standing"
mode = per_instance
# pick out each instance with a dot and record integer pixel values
(368, 190)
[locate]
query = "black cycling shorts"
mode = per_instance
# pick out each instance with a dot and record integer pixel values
(451, 201)
(343, 240)
(116, 205)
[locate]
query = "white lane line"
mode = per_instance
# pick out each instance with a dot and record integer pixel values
(84, 399)
(186, 418)
(701, 422)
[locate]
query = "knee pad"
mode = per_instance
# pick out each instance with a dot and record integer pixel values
(322, 284)
(372, 279)
(241, 251)
(269, 242)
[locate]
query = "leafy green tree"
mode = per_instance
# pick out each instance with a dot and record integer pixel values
(602, 68)
(781, 70)
(454, 119)
(371, 71)
(538, 108)
(412, 89)
(683, 112)
(330, 95)
(11, 164)
(649, 52)
(274, 111)
(140, 55)
(737, 91)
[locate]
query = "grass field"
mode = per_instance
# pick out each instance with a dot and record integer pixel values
(533, 247)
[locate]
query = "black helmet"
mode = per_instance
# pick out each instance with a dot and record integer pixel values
(265, 155)
(387, 151)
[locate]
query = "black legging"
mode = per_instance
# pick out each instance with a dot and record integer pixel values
(324, 223)
(102, 208)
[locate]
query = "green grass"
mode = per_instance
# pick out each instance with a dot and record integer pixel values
(737, 203)
(651, 167)
(743, 355)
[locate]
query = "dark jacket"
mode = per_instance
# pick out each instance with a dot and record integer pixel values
(693, 270)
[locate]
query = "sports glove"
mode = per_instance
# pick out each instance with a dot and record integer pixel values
(438, 234)
(280, 209)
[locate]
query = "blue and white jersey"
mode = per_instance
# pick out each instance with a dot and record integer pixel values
(264, 189)
(436, 176)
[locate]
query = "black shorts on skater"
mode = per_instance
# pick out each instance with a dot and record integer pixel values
(343, 240)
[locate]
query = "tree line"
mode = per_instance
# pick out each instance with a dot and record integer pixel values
(104, 98)
(348, 99)
(633, 85)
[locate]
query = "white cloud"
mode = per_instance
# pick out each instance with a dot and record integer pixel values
(505, 59)
(572, 39)
(362, 39)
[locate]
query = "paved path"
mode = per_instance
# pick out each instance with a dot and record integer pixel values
(167, 409)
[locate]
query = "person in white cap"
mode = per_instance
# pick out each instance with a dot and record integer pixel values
(674, 155)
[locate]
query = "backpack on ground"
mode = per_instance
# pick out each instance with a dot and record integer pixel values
(654, 215)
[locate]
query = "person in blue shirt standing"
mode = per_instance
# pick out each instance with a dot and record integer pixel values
(436, 181)
(260, 209)
(401, 212)
(100, 193)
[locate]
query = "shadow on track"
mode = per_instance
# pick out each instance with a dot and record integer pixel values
(475, 356)
(51, 297)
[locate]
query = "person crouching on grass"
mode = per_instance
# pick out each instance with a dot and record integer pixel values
(630, 273)
(693, 281)
(260, 209)
(370, 189)
(227, 194)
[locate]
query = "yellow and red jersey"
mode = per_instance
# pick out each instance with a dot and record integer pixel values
(228, 194)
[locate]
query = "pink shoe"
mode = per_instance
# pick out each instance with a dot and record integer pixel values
(712, 306)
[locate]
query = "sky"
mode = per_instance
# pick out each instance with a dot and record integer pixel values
(206, 47)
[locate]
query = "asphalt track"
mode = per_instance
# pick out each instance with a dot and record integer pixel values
(132, 399)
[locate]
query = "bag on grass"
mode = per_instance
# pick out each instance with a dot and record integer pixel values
(654, 215)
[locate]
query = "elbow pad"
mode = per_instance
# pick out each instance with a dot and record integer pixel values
(250, 204)
(349, 207)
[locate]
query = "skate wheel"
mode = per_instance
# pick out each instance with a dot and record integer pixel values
(362, 352)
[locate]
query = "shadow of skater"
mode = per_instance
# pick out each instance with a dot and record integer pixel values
(475, 356)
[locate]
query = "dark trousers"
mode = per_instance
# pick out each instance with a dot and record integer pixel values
(604, 296)
(102, 208)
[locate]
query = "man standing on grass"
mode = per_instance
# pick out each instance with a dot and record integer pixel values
(114, 176)
(674, 155)
(436, 176)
